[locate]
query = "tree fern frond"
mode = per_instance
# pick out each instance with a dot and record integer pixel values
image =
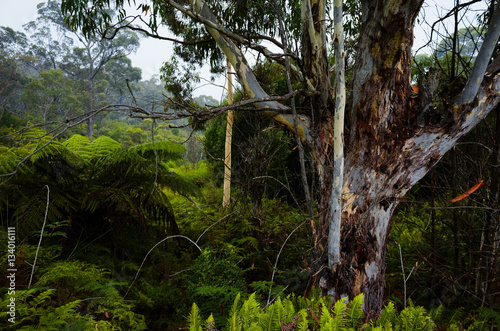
(176, 183)
(79, 145)
(103, 146)
(32, 135)
(164, 150)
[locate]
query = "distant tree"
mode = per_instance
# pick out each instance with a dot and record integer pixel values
(102, 64)
(51, 97)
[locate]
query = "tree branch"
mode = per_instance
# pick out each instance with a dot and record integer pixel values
(483, 58)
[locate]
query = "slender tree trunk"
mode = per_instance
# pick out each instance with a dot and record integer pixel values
(229, 135)
(90, 103)
(488, 274)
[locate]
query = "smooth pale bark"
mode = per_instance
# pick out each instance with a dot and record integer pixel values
(338, 147)
(229, 135)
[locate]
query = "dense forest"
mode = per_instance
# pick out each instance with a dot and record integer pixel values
(111, 186)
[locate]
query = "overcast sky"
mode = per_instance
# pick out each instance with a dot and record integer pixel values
(152, 53)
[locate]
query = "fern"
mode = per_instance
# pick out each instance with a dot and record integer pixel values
(272, 317)
(234, 321)
(249, 312)
(388, 317)
(194, 319)
(354, 312)
(103, 145)
(326, 322)
(79, 145)
(163, 150)
(210, 323)
(414, 318)
(302, 324)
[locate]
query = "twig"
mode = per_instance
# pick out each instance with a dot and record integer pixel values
(403, 270)
(144, 260)
(277, 258)
(41, 235)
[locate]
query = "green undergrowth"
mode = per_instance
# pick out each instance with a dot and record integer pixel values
(319, 313)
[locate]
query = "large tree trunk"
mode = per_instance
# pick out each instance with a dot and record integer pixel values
(390, 147)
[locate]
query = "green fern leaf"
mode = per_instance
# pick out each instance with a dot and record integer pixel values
(210, 323)
(234, 321)
(340, 320)
(163, 150)
(354, 312)
(270, 320)
(302, 324)
(79, 145)
(388, 316)
(103, 145)
(249, 311)
(289, 310)
(194, 319)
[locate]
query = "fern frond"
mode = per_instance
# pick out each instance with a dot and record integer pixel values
(302, 324)
(249, 311)
(234, 320)
(103, 146)
(388, 315)
(272, 317)
(79, 145)
(289, 310)
(210, 323)
(194, 323)
(164, 150)
(326, 321)
(340, 320)
(354, 312)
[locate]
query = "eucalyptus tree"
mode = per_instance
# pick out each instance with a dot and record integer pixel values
(387, 147)
(89, 59)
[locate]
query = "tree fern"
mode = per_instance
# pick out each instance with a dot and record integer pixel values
(79, 145)
(163, 150)
(103, 145)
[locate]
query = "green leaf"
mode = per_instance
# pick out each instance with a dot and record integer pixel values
(194, 323)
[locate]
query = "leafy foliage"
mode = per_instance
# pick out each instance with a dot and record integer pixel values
(317, 314)
(90, 176)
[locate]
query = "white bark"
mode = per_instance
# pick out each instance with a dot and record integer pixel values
(338, 168)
